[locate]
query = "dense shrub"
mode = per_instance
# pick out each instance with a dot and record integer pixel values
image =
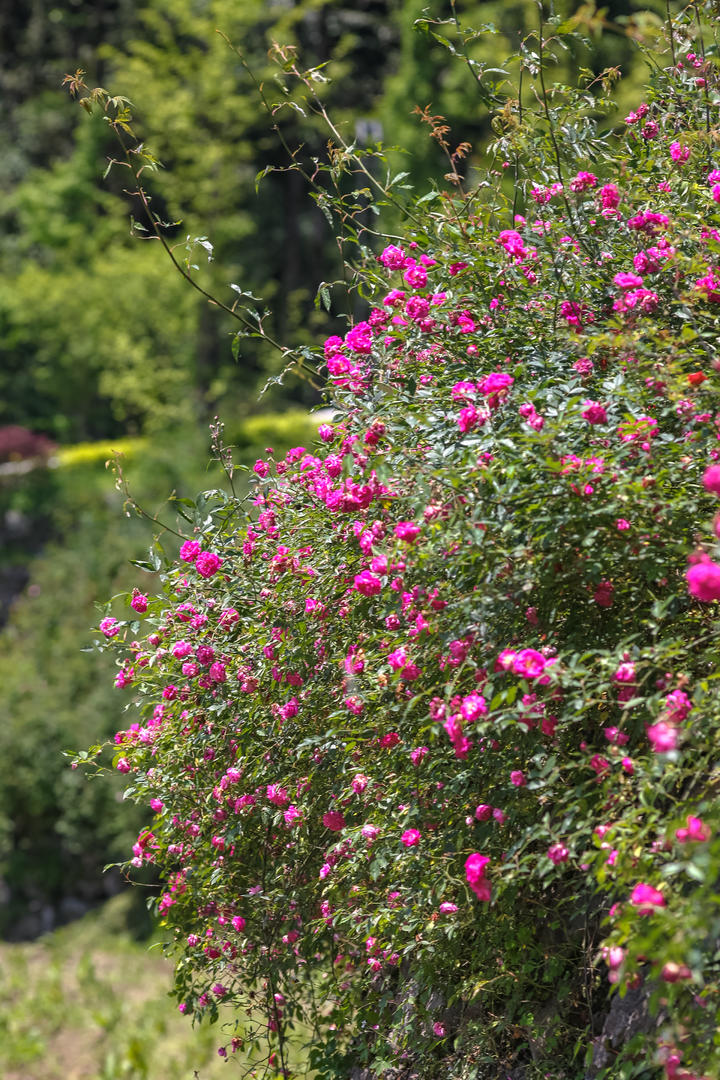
(428, 730)
(18, 443)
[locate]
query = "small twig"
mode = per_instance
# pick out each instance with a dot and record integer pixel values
(706, 98)
(551, 131)
(123, 486)
(670, 31)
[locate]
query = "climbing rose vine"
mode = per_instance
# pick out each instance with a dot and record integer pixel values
(427, 726)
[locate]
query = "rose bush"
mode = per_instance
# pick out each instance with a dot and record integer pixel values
(427, 731)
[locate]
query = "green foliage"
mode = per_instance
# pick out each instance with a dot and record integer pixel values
(96, 357)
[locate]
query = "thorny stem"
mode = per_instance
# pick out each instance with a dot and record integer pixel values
(551, 131)
(671, 36)
(320, 108)
(517, 153)
(222, 455)
(122, 486)
(477, 79)
(701, 41)
(152, 218)
(308, 177)
(271, 980)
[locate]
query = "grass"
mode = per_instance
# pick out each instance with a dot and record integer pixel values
(90, 1002)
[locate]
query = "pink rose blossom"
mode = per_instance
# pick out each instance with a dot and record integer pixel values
(696, 830)
(228, 618)
(671, 973)
(292, 816)
(558, 853)
(495, 382)
(704, 580)
(677, 705)
(397, 659)
(528, 663)
(390, 739)
(416, 277)
(470, 418)
(625, 672)
(217, 672)
(334, 821)
(288, 710)
(359, 338)
(407, 531)
(646, 898)
(392, 258)
(594, 413)
(277, 795)
(711, 479)
(614, 956)
(473, 707)
(410, 838)
(475, 874)
(190, 550)
(663, 736)
(626, 280)
(609, 196)
(207, 563)
(367, 584)
(603, 595)
(583, 181)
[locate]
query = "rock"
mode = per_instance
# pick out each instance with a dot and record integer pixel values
(628, 1016)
